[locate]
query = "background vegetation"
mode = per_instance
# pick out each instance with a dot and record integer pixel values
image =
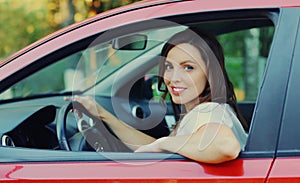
(24, 22)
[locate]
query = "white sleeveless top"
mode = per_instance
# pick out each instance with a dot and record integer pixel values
(212, 112)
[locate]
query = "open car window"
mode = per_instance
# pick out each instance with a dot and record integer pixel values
(122, 78)
(245, 62)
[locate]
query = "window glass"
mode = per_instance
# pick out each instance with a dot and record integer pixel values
(83, 69)
(246, 54)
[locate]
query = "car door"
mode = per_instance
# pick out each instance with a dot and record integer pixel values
(254, 162)
(287, 162)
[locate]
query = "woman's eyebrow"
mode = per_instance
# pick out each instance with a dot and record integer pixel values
(187, 62)
(181, 62)
(168, 62)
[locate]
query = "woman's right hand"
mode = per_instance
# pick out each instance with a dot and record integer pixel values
(93, 107)
(122, 130)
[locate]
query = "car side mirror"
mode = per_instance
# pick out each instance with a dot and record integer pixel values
(130, 42)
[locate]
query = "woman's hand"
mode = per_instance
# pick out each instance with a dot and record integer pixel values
(93, 107)
(122, 130)
(89, 103)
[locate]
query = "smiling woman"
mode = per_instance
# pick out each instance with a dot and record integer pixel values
(195, 76)
(153, 77)
(181, 66)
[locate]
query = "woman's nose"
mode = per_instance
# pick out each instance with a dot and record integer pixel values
(176, 75)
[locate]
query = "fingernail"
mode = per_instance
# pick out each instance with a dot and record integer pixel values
(67, 98)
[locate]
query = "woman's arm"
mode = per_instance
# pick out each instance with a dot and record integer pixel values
(127, 134)
(211, 143)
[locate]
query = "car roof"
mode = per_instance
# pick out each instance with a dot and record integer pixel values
(182, 6)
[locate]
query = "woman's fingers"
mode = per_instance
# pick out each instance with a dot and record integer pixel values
(88, 102)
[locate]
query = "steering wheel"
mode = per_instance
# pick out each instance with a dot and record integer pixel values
(96, 135)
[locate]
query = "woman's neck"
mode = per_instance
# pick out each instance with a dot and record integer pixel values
(190, 105)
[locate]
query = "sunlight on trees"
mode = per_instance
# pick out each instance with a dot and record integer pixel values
(24, 22)
(21, 24)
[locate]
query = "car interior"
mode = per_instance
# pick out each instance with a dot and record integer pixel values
(120, 70)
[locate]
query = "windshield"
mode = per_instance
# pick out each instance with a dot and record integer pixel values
(82, 70)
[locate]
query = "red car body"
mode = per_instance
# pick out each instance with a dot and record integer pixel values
(248, 168)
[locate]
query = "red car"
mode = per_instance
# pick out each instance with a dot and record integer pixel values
(113, 57)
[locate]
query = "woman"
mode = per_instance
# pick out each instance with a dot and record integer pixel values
(192, 71)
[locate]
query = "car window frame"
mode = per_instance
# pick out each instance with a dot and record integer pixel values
(288, 143)
(269, 110)
(207, 16)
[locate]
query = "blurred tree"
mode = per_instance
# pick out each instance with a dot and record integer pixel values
(21, 25)
(65, 12)
(24, 22)
(246, 54)
(251, 59)
(257, 44)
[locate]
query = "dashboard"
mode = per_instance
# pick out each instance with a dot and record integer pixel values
(30, 123)
(35, 131)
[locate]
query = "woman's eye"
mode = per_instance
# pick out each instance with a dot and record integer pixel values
(188, 67)
(168, 67)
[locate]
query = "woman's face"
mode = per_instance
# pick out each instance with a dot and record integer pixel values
(185, 74)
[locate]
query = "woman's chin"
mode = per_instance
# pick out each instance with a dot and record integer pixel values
(177, 101)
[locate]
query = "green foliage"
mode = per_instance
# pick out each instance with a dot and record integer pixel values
(234, 67)
(233, 44)
(20, 27)
(24, 22)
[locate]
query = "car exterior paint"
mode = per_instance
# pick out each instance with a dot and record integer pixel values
(244, 169)
(139, 171)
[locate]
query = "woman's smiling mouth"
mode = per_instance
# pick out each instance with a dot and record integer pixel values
(177, 90)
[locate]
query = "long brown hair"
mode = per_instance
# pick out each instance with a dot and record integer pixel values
(218, 87)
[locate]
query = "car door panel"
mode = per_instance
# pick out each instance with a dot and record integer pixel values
(287, 163)
(172, 168)
(285, 169)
